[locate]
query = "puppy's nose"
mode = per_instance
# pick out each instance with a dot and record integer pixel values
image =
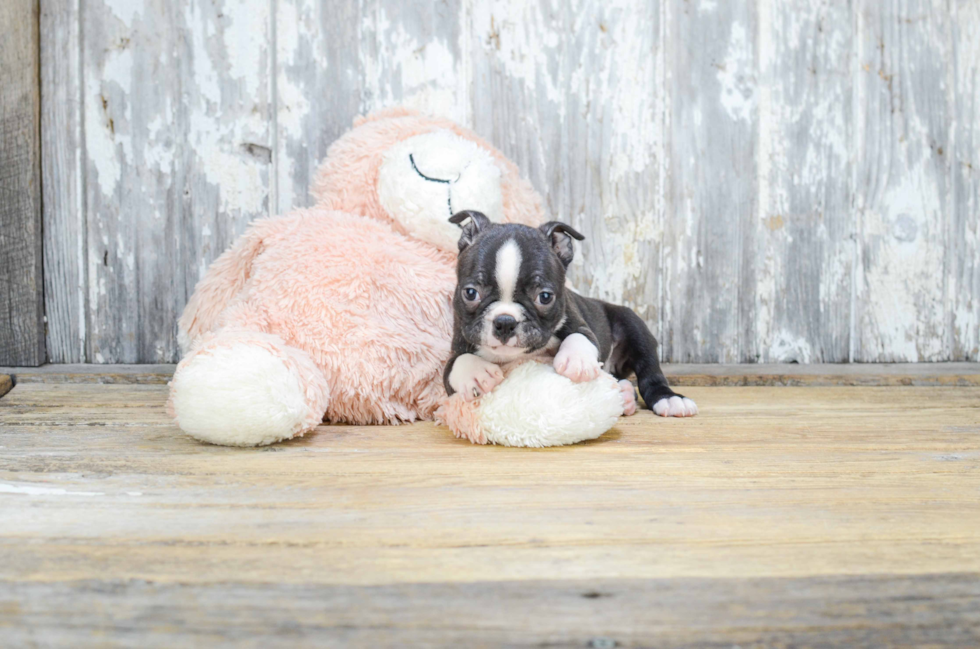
(503, 327)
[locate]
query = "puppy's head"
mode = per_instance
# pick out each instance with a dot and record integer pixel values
(510, 291)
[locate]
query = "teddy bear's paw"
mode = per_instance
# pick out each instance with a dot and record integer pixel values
(247, 393)
(676, 406)
(577, 359)
(472, 377)
(629, 397)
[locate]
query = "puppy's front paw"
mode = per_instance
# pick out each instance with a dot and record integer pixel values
(629, 397)
(577, 368)
(577, 359)
(473, 377)
(676, 406)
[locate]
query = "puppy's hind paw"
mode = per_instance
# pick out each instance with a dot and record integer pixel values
(676, 406)
(629, 397)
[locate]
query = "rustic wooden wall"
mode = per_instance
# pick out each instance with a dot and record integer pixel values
(763, 180)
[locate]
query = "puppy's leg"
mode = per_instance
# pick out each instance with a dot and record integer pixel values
(640, 356)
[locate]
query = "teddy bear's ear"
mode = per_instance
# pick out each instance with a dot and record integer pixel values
(478, 222)
(560, 236)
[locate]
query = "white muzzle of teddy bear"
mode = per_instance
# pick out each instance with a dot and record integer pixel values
(427, 178)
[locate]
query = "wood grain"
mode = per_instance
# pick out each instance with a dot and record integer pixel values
(317, 52)
(62, 153)
(862, 611)
(21, 290)
(824, 515)
(902, 190)
(341, 59)
(599, 165)
(963, 240)
(711, 198)
(177, 106)
(803, 234)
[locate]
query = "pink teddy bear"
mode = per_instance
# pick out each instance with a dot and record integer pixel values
(342, 312)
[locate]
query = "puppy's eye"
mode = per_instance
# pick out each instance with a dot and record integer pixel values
(470, 294)
(545, 298)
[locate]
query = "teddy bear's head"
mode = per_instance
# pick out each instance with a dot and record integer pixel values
(415, 171)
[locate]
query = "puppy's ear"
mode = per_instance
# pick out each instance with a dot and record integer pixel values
(478, 222)
(560, 236)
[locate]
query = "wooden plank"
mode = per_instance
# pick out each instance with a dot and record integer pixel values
(130, 79)
(803, 516)
(342, 59)
(767, 482)
(554, 87)
(93, 373)
(680, 374)
(803, 235)
(963, 240)
(410, 55)
(178, 148)
(917, 374)
(711, 195)
(318, 89)
(21, 290)
(62, 151)
(224, 172)
(902, 190)
(872, 611)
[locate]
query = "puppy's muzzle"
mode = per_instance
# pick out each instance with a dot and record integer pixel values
(503, 327)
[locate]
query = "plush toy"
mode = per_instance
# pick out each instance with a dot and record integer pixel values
(342, 312)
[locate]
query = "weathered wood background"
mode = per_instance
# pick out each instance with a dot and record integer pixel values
(767, 180)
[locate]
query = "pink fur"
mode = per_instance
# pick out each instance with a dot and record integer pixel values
(358, 310)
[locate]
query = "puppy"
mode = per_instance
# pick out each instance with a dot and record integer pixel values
(511, 303)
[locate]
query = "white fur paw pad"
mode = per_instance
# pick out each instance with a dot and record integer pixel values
(473, 377)
(629, 397)
(675, 407)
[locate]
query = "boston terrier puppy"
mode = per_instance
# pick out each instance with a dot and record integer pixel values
(511, 303)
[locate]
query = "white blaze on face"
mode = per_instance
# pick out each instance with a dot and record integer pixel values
(507, 271)
(506, 274)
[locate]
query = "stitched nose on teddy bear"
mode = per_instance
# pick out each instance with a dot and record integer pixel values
(449, 194)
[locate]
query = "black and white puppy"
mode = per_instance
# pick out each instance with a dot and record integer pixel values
(511, 302)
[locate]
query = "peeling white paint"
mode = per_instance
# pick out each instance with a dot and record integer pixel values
(125, 10)
(787, 348)
(736, 76)
(246, 40)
